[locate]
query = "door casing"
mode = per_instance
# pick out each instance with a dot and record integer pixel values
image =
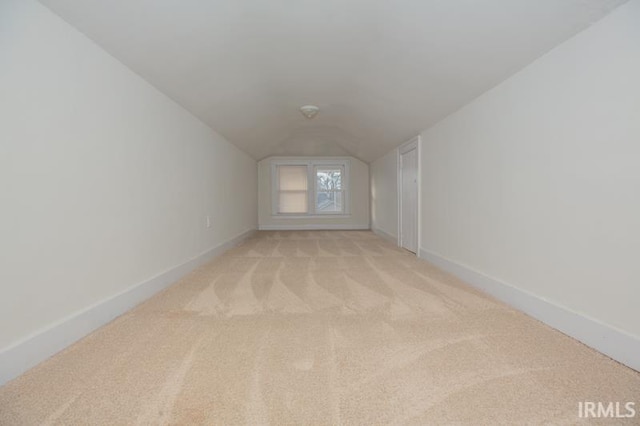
(413, 143)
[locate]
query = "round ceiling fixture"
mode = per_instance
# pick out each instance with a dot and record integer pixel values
(309, 111)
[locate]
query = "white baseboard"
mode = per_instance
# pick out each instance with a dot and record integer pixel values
(385, 235)
(34, 349)
(311, 227)
(615, 343)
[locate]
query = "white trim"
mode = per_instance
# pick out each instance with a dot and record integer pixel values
(385, 235)
(414, 143)
(312, 227)
(615, 343)
(34, 349)
(310, 216)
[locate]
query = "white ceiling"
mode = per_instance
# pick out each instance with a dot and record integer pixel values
(381, 71)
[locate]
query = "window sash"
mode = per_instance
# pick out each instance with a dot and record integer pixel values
(295, 180)
(339, 203)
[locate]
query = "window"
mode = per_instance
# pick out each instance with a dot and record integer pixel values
(310, 188)
(292, 184)
(329, 192)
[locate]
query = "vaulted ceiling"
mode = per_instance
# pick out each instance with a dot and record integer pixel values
(381, 71)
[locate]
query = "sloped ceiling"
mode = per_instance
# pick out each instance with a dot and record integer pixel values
(381, 71)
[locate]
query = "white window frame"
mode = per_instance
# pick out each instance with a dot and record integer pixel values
(311, 187)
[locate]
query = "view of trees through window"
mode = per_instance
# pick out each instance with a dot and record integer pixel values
(329, 190)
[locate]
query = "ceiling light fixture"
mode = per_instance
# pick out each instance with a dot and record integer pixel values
(309, 111)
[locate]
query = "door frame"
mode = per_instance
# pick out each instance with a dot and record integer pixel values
(413, 143)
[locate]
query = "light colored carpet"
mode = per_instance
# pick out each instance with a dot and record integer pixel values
(318, 328)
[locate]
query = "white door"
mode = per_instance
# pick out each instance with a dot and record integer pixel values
(409, 200)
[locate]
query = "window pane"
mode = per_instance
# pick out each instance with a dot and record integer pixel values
(293, 202)
(329, 202)
(328, 178)
(292, 178)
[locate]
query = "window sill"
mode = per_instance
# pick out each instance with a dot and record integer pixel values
(311, 216)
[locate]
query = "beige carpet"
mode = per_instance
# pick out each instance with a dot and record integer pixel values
(319, 328)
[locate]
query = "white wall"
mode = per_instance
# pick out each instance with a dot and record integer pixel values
(536, 184)
(106, 182)
(359, 193)
(384, 195)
